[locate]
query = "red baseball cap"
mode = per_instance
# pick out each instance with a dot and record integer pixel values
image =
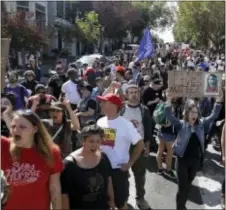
(89, 70)
(120, 68)
(111, 97)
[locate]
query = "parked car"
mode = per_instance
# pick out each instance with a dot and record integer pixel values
(90, 59)
(130, 48)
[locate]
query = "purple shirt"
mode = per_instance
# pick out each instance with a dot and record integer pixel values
(20, 92)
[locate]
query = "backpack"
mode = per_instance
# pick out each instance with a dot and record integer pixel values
(159, 114)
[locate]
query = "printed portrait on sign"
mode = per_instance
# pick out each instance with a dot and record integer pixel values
(212, 84)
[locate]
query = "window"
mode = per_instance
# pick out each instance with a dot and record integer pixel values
(22, 9)
(40, 16)
(60, 9)
(68, 11)
(40, 8)
(40, 19)
(22, 6)
(22, 3)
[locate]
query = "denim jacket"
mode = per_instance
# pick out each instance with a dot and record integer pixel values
(185, 130)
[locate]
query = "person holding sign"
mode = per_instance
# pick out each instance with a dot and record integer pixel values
(189, 145)
(119, 135)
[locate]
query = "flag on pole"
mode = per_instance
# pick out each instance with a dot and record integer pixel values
(146, 47)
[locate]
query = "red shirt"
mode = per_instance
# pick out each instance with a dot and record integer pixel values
(28, 177)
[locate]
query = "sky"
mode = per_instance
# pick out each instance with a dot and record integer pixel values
(167, 34)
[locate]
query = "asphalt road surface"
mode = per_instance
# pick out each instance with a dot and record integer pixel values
(161, 191)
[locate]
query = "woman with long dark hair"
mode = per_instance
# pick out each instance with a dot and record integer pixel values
(31, 163)
(60, 127)
(189, 145)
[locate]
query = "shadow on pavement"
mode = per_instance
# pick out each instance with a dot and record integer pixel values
(211, 169)
(195, 195)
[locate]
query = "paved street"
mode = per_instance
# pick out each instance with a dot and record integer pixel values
(205, 193)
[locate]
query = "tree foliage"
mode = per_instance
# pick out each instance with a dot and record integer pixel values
(200, 22)
(115, 16)
(23, 34)
(153, 14)
(119, 17)
(89, 27)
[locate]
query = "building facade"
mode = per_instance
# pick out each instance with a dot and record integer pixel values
(35, 10)
(60, 15)
(51, 14)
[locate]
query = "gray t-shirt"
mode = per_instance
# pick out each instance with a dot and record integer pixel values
(133, 114)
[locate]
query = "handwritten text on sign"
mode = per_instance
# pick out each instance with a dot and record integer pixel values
(186, 83)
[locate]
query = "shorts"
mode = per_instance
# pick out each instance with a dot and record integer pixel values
(166, 137)
(120, 180)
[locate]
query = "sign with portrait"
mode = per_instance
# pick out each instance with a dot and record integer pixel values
(194, 84)
(212, 84)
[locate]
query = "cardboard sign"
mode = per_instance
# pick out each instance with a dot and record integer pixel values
(194, 84)
(5, 43)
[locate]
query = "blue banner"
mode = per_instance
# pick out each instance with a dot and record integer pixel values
(146, 47)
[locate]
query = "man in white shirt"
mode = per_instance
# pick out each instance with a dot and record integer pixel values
(119, 135)
(70, 88)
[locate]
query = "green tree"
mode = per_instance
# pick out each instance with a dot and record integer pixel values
(201, 22)
(89, 27)
(152, 14)
(115, 17)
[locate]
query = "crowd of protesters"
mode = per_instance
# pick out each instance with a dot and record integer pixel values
(73, 141)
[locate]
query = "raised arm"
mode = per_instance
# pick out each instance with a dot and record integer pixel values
(73, 117)
(214, 115)
(169, 115)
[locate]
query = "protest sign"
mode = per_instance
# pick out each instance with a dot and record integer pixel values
(194, 84)
(5, 43)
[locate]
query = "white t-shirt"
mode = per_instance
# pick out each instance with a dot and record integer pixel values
(124, 87)
(119, 135)
(71, 92)
(134, 116)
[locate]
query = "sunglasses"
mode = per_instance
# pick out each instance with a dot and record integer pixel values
(29, 75)
(146, 81)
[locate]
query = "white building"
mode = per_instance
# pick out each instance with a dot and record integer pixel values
(47, 13)
(35, 10)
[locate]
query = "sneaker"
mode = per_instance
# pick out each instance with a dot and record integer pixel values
(170, 174)
(143, 204)
(160, 171)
